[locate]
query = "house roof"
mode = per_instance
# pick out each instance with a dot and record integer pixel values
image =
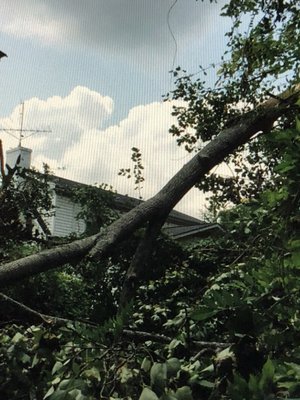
(179, 225)
(199, 230)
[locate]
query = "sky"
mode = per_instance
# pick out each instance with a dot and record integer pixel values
(93, 73)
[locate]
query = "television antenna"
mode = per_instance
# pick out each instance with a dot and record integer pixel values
(22, 134)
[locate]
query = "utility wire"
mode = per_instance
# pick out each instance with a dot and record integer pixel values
(173, 37)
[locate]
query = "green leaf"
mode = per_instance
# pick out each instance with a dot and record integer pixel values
(76, 394)
(267, 374)
(253, 384)
(203, 313)
(295, 368)
(25, 358)
(294, 244)
(184, 393)
(56, 380)
(239, 389)
(226, 353)
(284, 166)
(37, 333)
(18, 336)
(148, 394)
(209, 368)
(158, 376)
(146, 364)
(173, 366)
(298, 120)
(91, 374)
(175, 343)
(75, 368)
(296, 258)
(167, 396)
(125, 374)
(205, 383)
(57, 366)
(64, 384)
(35, 361)
(268, 369)
(48, 394)
(59, 395)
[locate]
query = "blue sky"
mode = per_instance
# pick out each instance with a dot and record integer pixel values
(94, 71)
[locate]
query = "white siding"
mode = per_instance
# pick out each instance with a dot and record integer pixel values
(50, 220)
(65, 221)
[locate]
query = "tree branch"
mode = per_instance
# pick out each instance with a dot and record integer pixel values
(140, 260)
(32, 314)
(156, 337)
(212, 154)
(45, 260)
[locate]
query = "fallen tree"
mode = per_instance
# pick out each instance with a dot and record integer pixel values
(154, 211)
(218, 320)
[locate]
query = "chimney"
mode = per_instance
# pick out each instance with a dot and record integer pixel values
(13, 154)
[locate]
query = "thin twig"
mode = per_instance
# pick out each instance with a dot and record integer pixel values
(155, 337)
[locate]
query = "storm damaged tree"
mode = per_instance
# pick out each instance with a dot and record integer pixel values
(262, 60)
(229, 330)
(257, 87)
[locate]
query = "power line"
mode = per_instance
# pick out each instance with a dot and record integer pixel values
(173, 37)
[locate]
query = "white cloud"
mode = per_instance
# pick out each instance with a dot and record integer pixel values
(67, 118)
(31, 20)
(92, 154)
(99, 154)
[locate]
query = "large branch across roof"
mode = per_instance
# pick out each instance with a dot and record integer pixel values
(162, 203)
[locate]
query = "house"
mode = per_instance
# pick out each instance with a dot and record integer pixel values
(64, 221)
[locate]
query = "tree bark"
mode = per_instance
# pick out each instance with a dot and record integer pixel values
(99, 245)
(45, 260)
(140, 261)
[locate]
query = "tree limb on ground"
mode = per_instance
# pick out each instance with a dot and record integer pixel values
(156, 337)
(33, 315)
(162, 203)
(140, 336)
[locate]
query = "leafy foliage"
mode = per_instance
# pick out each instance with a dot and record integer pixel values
(26, 198)
(262, 58)
(137, 172)
(96, 206)
(214, 319)
(227, 307)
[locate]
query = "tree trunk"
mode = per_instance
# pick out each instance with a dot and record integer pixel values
(97, 246)
(140, 261)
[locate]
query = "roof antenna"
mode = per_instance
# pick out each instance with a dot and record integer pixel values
(28, 132)
(21, 125)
